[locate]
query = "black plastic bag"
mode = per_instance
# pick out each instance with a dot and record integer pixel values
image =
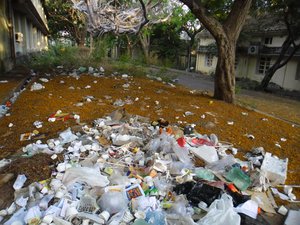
(203, 192)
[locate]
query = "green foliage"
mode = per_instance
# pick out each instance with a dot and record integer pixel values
(101, 47)
(128, 68)
(55, 56)
(65, 21)
(166, 42)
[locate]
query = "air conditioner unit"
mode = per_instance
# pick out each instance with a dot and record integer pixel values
(253, 50)
(19, 37)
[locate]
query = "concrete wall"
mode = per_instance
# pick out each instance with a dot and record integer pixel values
(33, 39)
(5, 50)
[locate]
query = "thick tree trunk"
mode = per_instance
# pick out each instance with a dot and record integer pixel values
(226, 35)
(225, 72)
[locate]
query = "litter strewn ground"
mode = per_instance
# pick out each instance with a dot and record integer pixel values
(149, 164)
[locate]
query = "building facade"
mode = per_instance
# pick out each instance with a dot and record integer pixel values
(258, 48)
(23, 30)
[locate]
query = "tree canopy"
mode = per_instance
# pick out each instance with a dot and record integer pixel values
(65, 21)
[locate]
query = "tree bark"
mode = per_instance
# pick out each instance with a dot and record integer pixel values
(226, 35)
(225, 72)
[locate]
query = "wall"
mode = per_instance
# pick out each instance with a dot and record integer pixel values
(289, 80)
(206, 41)
(5, 51)
(284, 77)
(201, 65)
(33, 39)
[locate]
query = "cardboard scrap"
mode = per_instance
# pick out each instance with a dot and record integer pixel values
(26, 136)
(263, 201)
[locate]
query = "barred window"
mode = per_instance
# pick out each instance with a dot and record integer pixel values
(208, 60)
(268, 40)
(297, 77)
(264, 64)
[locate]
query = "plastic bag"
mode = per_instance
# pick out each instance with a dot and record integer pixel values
(113, 202)
(221, 212)
(204, 192)
(90, 176)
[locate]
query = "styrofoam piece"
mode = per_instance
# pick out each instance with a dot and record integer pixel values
(207, 153)
(292, 218)
(275, 169)
(282, 210)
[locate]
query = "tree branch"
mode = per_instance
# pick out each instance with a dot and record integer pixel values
(208, 21)
(236, 18)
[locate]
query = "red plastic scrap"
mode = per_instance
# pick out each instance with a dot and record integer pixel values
(201, 141)
(62, 116)
(8, 104)
(181, 141)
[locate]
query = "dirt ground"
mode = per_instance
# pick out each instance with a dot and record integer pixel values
(149, 98)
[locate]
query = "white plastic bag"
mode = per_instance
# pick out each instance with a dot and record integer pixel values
(88, 175)
(221, 212)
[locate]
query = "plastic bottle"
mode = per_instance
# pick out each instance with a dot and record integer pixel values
(19, 182)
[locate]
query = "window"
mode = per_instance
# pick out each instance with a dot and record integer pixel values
(268, 40)
(208, 60)
(236, 62)
(298, 72)
(264, 64)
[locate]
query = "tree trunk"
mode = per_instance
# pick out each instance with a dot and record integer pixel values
(225, 72)
(268, 76)
(129, 46)
(280, 61)
(226, 35)
(91, 43)
(145, 41)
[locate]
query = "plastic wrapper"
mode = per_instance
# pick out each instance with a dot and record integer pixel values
(220, 165)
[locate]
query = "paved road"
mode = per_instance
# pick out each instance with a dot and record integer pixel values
(196, 82)
(282, 108)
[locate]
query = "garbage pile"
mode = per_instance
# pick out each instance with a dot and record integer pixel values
(127, 170)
